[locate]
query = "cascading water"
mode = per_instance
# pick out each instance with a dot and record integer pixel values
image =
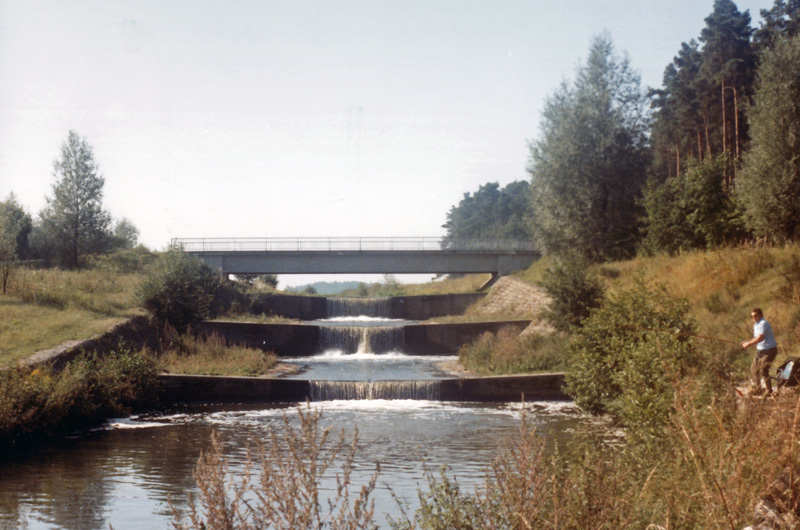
(353, 307)
(361, 339)
(349, 390)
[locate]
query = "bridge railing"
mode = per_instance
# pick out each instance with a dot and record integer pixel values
(361, 244)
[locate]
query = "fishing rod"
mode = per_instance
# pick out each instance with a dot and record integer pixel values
(679, 332)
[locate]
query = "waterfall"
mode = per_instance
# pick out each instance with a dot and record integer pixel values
(351, 339)
(353, 307)
(353, 390)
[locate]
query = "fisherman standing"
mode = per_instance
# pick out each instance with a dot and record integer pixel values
(767, 350)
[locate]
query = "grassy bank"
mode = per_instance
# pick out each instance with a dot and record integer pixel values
(45, 308)
(721, 287)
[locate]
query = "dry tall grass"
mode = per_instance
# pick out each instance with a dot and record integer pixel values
(45, 308)
(212, 355)
(286, 494)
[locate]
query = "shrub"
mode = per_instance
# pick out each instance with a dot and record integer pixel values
(180, 289)
(40, 402)
(619, 339)
(574, 293)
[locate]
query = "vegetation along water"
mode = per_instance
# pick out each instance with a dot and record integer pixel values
(663, 218)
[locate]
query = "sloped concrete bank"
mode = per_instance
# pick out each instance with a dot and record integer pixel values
(301, 340)
(221, 389)
(133, 334)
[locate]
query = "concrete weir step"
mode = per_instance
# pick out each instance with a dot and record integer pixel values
(221, 389)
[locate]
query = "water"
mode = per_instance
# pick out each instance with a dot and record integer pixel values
(129, 474)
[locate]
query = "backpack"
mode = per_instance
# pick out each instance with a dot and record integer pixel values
(788, 374)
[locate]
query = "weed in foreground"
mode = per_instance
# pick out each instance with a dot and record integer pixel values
(287, 494)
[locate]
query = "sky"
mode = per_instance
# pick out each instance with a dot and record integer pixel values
(301, 118)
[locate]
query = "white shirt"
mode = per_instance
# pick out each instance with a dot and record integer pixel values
(762, 327)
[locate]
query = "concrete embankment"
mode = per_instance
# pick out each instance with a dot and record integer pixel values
(220, 389)
(300, 340)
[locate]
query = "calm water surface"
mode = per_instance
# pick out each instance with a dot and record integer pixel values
(127, 474)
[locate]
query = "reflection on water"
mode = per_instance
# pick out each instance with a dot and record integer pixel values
(131, 473)
(126, 475)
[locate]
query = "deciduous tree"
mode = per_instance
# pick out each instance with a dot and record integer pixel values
(769, 186)
(74, 215)
(589, 165)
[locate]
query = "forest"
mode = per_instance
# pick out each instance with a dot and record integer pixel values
(710, 158)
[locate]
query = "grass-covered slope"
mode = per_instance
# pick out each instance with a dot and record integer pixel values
(45, 308)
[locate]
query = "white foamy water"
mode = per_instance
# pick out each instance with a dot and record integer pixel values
(360, 319)
(341, 356)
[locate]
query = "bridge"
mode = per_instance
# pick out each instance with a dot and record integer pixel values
(361, 255)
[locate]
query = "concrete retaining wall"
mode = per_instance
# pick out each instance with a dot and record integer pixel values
(505, 388)
(205, 389)
(431, 306)
(289, 306)
(218, 389)
(437, 339)
(288, 340)
(300, 340)
(405, 307)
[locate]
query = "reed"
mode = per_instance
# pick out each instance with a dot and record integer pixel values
(506, 353)
(286, 495)
(210, 355)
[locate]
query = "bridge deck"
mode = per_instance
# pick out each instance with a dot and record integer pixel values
(356, 244)
(363, 255)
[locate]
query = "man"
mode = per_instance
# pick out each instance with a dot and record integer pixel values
(767, 349)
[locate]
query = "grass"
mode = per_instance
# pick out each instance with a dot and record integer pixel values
(722, 286)
(508, 353)
(189, 354)
(45, 308)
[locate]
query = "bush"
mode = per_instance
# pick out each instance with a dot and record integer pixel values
(574, 293)
(616, 359)
(180, 289)
(39, 403)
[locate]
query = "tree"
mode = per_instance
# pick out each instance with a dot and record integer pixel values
(588, 168)
(727, 69)
(573, 292)
(179, 289)
(693, 211)
(769, 186)
(126, 235)
(490, 213)
(74, 215)
(782, 20)
(15, 226)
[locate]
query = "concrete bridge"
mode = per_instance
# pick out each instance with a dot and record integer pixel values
(361, 255)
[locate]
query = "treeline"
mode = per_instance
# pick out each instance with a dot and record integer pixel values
(73, 225)
(712, 157)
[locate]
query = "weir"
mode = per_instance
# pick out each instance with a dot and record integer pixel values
(429, 390)
(353, 307)
(366, 339)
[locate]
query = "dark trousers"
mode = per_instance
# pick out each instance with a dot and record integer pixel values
(761, 365)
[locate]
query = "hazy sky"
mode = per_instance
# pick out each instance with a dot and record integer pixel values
(300, 118)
